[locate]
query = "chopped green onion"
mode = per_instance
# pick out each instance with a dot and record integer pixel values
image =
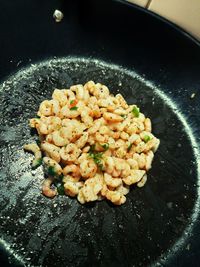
(72, 101)
(100, 166)
(61, 189)
(96, 156)
(56, 183)
(51, 171)
(97, 161)
(123, 115)
(99, 155)
(105, 146)
(60, 177)
(136, 112)
(74, 108)
(36, 163)
(92, 149)
(146, 138)
(129, 147)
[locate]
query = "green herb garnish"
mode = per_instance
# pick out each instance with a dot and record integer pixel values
(74, 108)
(100, 165)
(58, 182)
(105, 146)
(61, 189)
(136, 112)
(129, 147)
(51, 171)
(97, 159)
(36, 163)
(59, 178)
(123, 115)
(96, 156)
(92, 149)
(146, 138)
(72, 101)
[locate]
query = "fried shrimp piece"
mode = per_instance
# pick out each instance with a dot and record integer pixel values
(122, 101)
(58, 140)
(70, 95)
(116, 197)
(134, 177)
(66, 112)
(147, 125)
(46, 188)
(110, 181)
(53, 164)
(51, 150)
(72, 188)
(80, 143)
(101, 91)
(142, 182)
(60, 96)
(34, 148)
(70, 152)
(86, 118)
(45, 108)
(88, 168)
(91, 189)
(72, 169)
(34, 122)
(123, 189)
(111, 117)
(49, 108)
(81, 92)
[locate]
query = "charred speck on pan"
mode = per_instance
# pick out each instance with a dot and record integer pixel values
(61, 231)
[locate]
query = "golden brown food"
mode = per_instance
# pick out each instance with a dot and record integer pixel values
(94, 144)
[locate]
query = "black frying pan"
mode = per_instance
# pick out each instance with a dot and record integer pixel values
(153, 64)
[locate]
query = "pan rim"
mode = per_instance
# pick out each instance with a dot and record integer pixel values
(172, 25)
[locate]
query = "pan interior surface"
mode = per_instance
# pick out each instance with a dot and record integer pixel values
(61, 232)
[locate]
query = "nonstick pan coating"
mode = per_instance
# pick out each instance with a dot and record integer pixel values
(154, 66)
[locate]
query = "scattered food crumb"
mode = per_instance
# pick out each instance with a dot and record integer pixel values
(18, 63)
(138, 215)
(55, 205)
(188, 246)
(192, 95)
(169, 205)
(58, 15)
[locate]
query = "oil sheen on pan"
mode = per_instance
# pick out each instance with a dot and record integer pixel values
(154, 222)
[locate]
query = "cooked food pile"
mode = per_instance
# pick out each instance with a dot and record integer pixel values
(93, 145)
